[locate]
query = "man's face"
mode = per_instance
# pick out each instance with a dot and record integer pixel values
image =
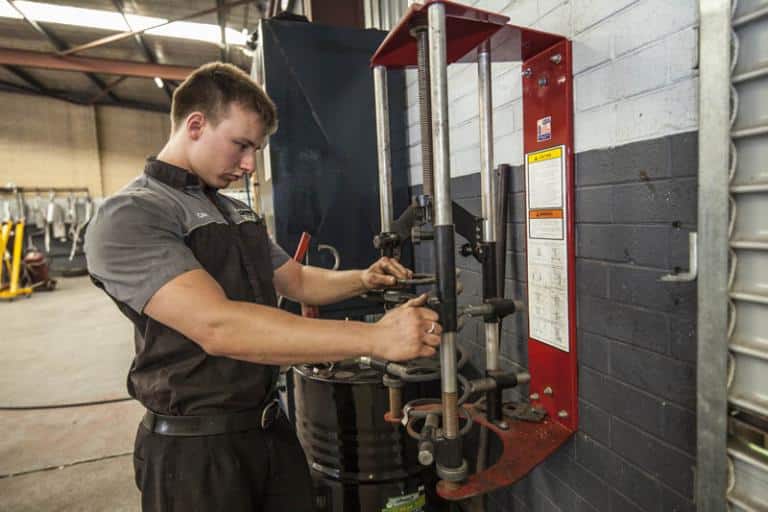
(225, 152)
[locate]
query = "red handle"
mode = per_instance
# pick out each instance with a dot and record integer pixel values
(301, 252)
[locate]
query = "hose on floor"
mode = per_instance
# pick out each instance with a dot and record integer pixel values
(62, 406)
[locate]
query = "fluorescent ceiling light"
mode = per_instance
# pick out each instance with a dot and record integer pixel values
(111, 20)
(6, 11)
(199, 31)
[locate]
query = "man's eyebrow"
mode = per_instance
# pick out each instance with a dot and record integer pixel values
(247, 141)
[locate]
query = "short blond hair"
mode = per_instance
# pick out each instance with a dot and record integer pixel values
(213, 87)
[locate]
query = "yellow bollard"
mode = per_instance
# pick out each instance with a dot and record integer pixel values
(5, 234)
(18, 243)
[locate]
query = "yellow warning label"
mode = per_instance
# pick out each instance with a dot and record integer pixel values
(546, 214)
(549, 154)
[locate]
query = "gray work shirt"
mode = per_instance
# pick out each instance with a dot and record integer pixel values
(163, 224)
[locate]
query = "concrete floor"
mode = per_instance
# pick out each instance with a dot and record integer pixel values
(66, 347)
(71, 345)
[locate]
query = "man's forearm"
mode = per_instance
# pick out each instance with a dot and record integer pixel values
(320, 286)
(261, 334)
(195, 305)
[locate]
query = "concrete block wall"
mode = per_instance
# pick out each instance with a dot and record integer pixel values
(49, 142)
(636, 188)
(126, 137)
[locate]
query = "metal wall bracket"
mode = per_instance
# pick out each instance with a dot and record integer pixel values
(693, 263)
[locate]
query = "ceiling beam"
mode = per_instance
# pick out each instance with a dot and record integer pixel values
(124, 35)
(16, 87)
(26, 78)
(59, 44)
(26, 58)
(137, 105)
(111, 85)
(58, 95)
(61, 95)
(142, 43)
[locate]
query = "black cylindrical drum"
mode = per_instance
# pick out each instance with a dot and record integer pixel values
(358, 461)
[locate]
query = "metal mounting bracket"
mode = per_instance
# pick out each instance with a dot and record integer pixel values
(693, 263)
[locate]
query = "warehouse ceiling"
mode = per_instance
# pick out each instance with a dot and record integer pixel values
(40, 46)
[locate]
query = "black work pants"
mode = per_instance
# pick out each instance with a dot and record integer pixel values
(251, 471)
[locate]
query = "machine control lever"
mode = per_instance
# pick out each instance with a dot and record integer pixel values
(494, 309)
(386, 241)
(498, 380)
(423, 369)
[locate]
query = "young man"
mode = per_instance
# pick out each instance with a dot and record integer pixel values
(198, 276)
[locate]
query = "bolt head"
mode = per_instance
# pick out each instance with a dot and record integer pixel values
(426, 458)
(556, 58)
(548, 391)
(534, 396)
(563, 414)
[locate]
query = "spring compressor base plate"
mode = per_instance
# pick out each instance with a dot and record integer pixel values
(525, 445)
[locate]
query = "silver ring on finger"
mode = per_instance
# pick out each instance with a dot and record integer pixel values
(432, 328)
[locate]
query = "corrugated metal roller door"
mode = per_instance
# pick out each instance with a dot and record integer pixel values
(748, 326)
(384, 14)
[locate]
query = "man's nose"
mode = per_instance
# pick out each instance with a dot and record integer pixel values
(248, 163)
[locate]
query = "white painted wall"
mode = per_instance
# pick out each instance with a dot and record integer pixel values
(635, 78)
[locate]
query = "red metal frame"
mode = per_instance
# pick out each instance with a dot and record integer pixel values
(526, 444)
(549, 366)
(466, 27)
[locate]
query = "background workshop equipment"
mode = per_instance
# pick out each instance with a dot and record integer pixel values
(578, 184)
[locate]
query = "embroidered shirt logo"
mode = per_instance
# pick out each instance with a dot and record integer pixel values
(248, 215)
(201, 215)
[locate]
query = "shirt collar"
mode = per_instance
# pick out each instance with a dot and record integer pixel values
(171, 175)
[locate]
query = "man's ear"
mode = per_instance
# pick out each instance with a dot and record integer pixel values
(195, 124)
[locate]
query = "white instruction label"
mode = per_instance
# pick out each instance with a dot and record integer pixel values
(546, 214)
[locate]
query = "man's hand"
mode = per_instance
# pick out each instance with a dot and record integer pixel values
(407, 332)
(384, 273)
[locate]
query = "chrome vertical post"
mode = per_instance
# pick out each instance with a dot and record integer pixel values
(450, 464)
(439, 90)
(487, 192)
(383, 144)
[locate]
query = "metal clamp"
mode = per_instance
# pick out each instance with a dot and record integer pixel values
(693, 264)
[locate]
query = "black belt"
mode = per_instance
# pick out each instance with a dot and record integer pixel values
(261, 418)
